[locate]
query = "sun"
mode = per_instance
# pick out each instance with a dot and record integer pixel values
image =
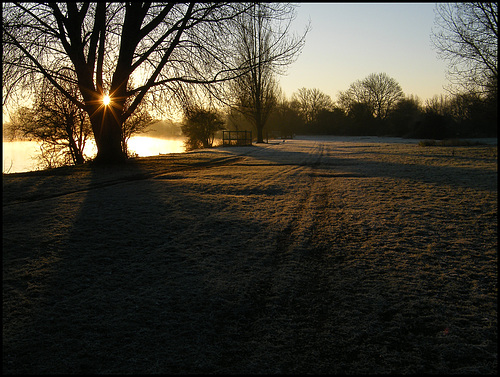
(106, 100)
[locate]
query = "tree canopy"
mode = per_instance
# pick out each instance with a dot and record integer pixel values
(130, 51)
(378, 91)
(466, 35)
(310, 102)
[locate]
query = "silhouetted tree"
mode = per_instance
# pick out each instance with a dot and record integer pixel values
(200, 126)
(311, 102)
(236, 121)
(404, 116)
(361, 119)
(62, 127)
(11, 129)
(135, 124)
(285, 119)
(468, 114)
(472, 115)
(332, 122)
(378, 91)
(437, 104)
(164, 46)
(263, 43)
(433, 126)
(467, 37)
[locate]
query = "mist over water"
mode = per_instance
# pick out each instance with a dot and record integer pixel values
(19, 156)
(152, 146)
(23, 155)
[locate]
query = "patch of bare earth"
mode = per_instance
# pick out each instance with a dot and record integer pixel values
(310, 256)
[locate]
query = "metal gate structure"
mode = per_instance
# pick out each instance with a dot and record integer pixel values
(236, 138)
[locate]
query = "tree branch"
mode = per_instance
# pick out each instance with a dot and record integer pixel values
(45, 73)
(162, 63)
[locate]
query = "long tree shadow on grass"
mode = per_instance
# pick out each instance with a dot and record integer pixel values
(171, 281)
(141, 281)
(394, 298)
(399, 165)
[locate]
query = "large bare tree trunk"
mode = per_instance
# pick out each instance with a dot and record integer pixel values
(260, 137)
(259, 124)
(108, 135)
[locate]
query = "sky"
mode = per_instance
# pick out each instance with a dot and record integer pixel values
(349, 41)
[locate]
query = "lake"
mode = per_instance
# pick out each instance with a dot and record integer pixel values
(22, 156)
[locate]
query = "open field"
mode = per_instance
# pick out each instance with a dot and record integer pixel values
(339, 255)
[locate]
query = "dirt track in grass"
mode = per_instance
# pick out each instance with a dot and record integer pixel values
(335, 255)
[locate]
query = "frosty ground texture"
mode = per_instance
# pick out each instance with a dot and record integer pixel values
(340, 255)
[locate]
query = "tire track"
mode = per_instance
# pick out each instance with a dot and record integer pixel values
(294, 292)
(293, 166)
(288, 236)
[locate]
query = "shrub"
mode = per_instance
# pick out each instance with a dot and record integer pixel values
(200, 126)
(433, 126)
(448, 143)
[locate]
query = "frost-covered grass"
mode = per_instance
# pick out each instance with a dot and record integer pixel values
(338, 255)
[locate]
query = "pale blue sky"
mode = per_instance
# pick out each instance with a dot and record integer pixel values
(348, 41)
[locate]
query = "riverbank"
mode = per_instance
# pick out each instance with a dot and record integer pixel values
(308, 256)
(20, 156)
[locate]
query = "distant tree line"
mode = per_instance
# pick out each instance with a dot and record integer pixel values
(376, 106)
(466, 35)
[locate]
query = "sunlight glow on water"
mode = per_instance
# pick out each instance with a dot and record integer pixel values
(151, 146)
(22, 156)
(19, 156)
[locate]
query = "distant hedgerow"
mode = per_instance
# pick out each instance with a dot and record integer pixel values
(448, 143)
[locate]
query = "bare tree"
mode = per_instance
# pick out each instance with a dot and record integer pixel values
(10, 128)
(162, 47)
(263, 43)
(62, 127)
(285, 119)
(378, 91)
(467, 37)
(311, 102)
(438, 104)
(135, 124)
